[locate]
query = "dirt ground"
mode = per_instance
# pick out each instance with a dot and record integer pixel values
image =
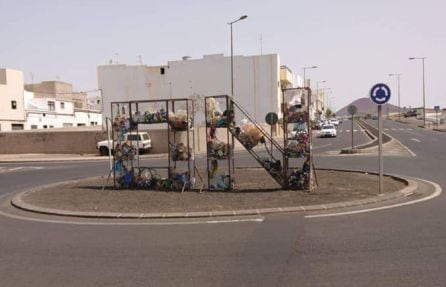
(256, 190)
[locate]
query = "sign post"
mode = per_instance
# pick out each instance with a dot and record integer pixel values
(380, 94)
(352, 109)
(436, 108)
(271, 119)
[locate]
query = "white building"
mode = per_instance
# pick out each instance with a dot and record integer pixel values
(12, 113)
(42, 113)
(257, 81)
(23, 110)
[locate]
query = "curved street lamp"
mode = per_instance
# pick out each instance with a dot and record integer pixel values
(424, 88)
(232, 53)
(307, 68)
(399, 104)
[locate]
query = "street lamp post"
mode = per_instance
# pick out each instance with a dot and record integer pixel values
(424, 88)
(317, 86)
(399, 103)
(232, 53)
(317, 92)
(307, 68)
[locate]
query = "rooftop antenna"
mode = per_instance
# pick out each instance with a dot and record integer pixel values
(140, 59)
(261, 45)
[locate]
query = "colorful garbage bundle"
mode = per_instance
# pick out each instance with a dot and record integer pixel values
(179, 121)
(121, 124)
(148, 117)
(299, 179)
(274, 168)
(124, 176)
(179, 152)
(299, 146)
(248, 135)
(217, 180)
(217, 118)
(148, 178)
(124, 151)
(295, 114)
(218, 150)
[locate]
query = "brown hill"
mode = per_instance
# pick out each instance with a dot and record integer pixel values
(366, 106)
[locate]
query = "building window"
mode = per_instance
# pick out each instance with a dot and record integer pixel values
(45, 126)
(51, 106)
(67, 125)
(34, 127)
(162, 71)
(98, 102)
(14, 105)
(81, 125)
(62, 105)
(16, 127)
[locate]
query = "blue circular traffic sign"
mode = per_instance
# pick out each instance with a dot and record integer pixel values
(380, 94)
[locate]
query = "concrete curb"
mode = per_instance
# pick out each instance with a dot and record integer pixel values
(18, 202)
(370, 146)
(48, 158)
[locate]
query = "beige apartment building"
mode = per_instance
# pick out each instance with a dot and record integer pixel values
(12, 113)
(59, 90)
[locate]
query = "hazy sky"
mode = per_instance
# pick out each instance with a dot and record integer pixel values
(355, 43)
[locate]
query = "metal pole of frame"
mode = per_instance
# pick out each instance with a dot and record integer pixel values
(380, 149)
(309, 158)
(232, 64)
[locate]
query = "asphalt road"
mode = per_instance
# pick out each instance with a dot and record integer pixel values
(405, 246)
(343, 139)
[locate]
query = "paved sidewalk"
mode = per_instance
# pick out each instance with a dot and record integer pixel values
(40, 157)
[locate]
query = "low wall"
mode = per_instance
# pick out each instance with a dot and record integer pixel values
(68, 142)
(84, 141)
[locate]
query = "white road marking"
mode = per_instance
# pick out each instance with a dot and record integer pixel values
(321, 146)
(415, 140)
(401, 129)
(386, 129)
(347, 131)
(393, 129)
(154, 222)
(215, 221)
(436, 193)
(5, 170)
(405, 147)
(409, 129)
(355, 130)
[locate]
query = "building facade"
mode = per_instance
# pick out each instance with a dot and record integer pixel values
(47, 113)
(52, 105)
(12, 112)
(257, 81)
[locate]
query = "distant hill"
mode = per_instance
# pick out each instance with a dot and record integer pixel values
(366, 106)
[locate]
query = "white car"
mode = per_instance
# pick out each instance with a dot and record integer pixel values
(139, 140)
(328, 131)
(334, 122)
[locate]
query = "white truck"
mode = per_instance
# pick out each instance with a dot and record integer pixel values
(140, 140)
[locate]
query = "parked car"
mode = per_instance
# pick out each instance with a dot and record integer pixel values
(327, 131)
(140, 140)
(298, 128)
(335, 122)
(410, 113)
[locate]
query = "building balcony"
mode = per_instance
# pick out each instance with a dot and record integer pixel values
(286, 76)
